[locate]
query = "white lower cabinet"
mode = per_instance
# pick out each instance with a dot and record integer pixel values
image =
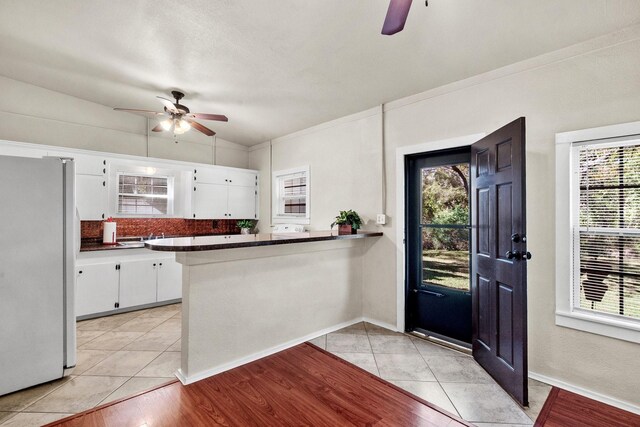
(138, 283)
(108, 282)
(96, 288)
(169, 280)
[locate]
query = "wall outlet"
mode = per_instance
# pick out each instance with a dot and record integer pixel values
(381, 219)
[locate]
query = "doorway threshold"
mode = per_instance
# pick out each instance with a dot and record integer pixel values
(445, 342)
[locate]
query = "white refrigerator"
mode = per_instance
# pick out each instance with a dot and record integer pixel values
(37, 262)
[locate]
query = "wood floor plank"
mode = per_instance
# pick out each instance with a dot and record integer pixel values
(303, 385)
(565, 409)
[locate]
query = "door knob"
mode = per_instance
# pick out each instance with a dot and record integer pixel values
(526, 256)
(513, 255)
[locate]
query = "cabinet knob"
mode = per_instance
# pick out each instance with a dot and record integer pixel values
(194, 215)
(160, 264)
(80, 272)
(154, 264)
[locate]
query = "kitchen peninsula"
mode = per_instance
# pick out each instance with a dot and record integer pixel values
(247, 296)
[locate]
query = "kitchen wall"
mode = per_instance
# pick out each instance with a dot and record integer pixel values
(33, 114)
(591, 84)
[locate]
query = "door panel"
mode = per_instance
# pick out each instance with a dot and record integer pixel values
(499, 301)
(138, 283)
(242, 202)
(169, 279)
(96, 288)
(209, 201)
(91, 197)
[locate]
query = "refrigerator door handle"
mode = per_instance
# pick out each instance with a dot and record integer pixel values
(69, 263)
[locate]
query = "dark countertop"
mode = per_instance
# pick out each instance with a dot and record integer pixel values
(90, 245)
(210, 243)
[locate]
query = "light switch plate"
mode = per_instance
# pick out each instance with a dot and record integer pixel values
(381, 219)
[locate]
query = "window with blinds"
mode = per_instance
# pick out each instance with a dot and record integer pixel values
(607, 231)
(291, 194)
(143, 195)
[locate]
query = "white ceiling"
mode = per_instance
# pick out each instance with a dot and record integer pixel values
(278, 66)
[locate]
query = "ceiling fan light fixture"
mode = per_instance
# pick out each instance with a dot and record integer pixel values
(184, 125)
(166, 124)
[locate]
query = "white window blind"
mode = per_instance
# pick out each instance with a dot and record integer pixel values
(606, 279)
(291, 190)
(143, 195)
(294, 194)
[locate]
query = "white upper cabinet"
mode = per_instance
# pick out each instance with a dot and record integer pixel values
(241, 202)
(222, 193)
(91, 197)
(209, 201)
(198, 191)
(90, 165)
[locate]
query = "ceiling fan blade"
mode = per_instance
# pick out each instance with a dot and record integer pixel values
(204, 116)
(201, 128)
(396, 16)
(136, 111)
(168, 104)
(158, 128)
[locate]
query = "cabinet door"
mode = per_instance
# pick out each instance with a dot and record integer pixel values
(137, 282)
(169, 279)
(243, 179)
(210, 175)
(96, 288)
(89, 165)
(91, 197)
(209, 201)
(242, 202)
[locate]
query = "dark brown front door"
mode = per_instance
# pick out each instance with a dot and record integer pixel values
(499, 257)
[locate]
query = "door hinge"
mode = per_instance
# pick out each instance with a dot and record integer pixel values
(116, 305)
(117, 266)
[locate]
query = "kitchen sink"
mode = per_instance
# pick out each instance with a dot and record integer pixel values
(134, 244)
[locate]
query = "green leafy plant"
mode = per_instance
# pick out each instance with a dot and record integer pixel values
(349, 217)
(245, 223)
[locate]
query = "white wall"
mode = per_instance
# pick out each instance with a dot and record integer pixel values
(592, 84)
(32, 114)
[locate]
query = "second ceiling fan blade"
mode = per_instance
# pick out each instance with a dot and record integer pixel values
(158, 128)
(205, 116)
(200, 127)
(396, 16)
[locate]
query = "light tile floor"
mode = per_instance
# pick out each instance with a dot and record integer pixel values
(117, 356)
(127, 353)
(444, 377)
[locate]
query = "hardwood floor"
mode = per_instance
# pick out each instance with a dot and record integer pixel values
(303, 385)
(566, 409)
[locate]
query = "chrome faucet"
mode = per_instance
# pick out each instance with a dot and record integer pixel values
(150, 236)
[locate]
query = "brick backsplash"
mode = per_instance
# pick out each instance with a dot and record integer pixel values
(135, 227)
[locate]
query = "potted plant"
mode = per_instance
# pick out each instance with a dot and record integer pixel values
(348, 222)
(245, 225)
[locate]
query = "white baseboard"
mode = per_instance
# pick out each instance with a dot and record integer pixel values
(260, 354)
(381, 324)
(587, 393)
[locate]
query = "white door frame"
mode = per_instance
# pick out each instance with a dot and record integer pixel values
(401, 152)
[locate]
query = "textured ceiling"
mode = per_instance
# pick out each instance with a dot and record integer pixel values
(278, 66)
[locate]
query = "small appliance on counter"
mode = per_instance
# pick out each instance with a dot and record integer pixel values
(109, 232)
(288, 228)
(37, 272)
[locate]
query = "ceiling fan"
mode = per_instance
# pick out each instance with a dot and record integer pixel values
(397, 16)
(177, 117)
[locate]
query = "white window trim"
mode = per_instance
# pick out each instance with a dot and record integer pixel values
(286, 219)
(566, 314)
